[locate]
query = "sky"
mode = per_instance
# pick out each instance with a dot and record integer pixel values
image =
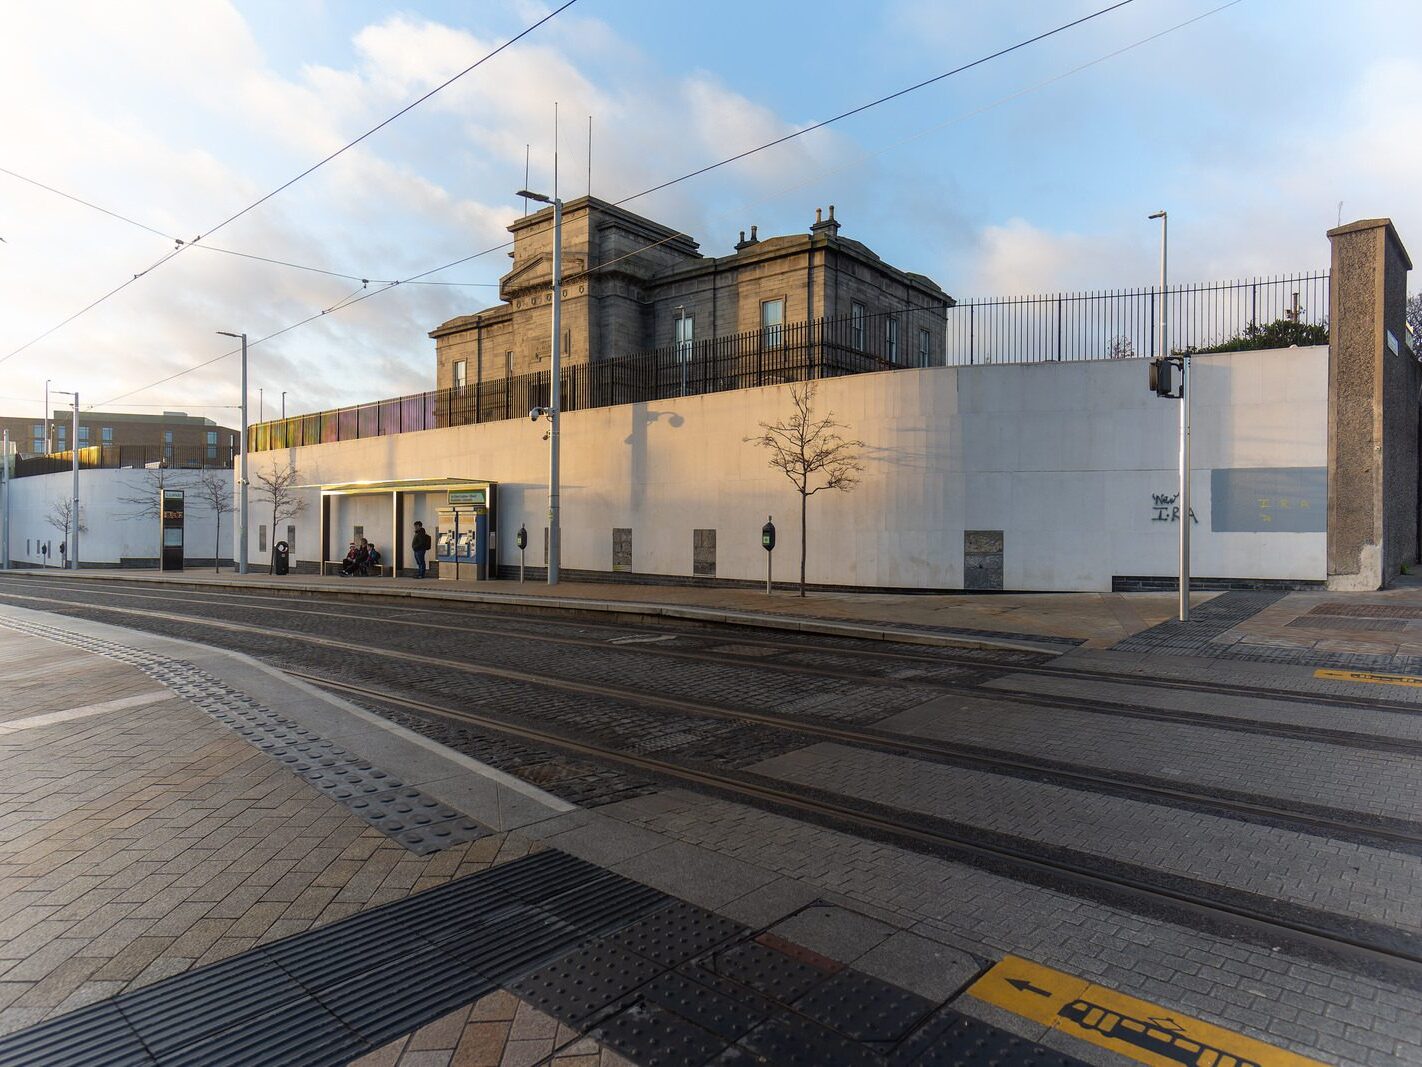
(1033, 172)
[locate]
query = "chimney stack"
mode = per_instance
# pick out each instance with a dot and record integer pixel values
(825, 226)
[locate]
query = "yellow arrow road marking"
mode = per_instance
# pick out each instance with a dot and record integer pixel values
(1369, 676)
(1138, 1029)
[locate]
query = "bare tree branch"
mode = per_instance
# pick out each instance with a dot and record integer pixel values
(811, 452)
(277, 487)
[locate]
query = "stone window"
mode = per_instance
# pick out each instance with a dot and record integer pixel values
(772, 322)
(856, 326)
(891, 338)
(106, 435)
(925, 342)
(461, 373)
(508, 364)
(683, 332)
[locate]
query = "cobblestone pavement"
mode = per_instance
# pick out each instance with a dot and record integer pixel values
(139, 841)
(1310, 870)
(912, 916)
(1340, 1016)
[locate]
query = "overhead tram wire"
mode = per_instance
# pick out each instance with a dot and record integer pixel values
(416, 278)
(217, 248)
(305, 173)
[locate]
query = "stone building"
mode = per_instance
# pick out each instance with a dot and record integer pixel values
(631, 284)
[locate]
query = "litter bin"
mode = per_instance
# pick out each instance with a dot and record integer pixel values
(281, 558)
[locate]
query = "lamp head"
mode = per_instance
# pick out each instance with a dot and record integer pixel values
(533, 196)
(1157, 215)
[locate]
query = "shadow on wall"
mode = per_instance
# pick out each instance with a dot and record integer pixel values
(642, 417)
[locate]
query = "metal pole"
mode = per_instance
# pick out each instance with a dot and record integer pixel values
(242, 502)
(5, 504)
(283, 404)
(554, 393)
(74, 517)
(48, 436)
(1184, 424)
(261, 404)
(522, 552)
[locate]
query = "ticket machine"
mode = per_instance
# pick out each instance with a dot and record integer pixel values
(462, 542)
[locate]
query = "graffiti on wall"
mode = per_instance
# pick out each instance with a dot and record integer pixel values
(1165, 507)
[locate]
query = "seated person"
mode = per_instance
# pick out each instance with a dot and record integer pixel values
(362, 557)
(372, 559)
(348, 565)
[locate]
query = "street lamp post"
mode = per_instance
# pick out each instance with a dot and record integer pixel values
(242, 473)
(1185, 515)
(283, 404)
(48, 443)
(74, 466)
(555, 373)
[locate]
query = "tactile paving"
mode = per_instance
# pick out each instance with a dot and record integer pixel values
(766, 971)
(96, 1036)
(729, 1017)
(864, 1008)
(952, 1039)
(579, 986)
(651, 1037)
(789, 1041)
(677, 933)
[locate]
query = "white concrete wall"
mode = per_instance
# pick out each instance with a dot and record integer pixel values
(1063, 458)
(112, 535)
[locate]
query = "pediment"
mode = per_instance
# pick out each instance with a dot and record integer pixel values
(537, 273)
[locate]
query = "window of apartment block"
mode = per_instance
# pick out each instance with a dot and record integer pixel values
(61, 435)
(37, 437)
(856, 326)
(106, 435)
(461, 373)
(83, 437)
(212, 444)
(891, 339)
(168, 444)
(772, 322)
(925, 342)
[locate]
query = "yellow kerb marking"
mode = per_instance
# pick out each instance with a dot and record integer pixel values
(1369, 676)
(1138, 1029)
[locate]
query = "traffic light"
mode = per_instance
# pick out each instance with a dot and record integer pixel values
(1162, 377)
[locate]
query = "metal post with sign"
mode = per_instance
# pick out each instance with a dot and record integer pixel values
(172, 527)
(522, 541)
(767, 542)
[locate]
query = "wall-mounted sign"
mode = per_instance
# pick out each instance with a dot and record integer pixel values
(469, 496)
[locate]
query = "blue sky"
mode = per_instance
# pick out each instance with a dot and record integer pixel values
(1249, 125)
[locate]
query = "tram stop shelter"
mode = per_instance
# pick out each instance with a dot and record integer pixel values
(385, 513)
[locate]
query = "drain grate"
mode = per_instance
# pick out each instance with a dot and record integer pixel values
(1320, 622)
(418, 821)
(1368, 611)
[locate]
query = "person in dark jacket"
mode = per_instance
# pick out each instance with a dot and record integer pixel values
(420, 544)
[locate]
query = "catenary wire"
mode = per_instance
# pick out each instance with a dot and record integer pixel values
(215, 248)
(292, 181)
(416, 279)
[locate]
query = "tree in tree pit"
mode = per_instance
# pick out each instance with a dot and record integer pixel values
(809, 450)
(214, 491)
(278, 488)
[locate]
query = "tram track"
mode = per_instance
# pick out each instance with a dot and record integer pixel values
(998, 691)
(1359, 827)
(1358, 945)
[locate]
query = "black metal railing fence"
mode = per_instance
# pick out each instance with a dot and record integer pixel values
(771, 355)
(95, 457)
(1123, 323)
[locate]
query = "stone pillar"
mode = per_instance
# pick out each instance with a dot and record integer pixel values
(1373, 413)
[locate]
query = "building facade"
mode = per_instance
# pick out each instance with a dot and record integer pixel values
(631, 284)
(174, 438)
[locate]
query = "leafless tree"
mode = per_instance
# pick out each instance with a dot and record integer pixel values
(809, 450)
(1121, 347)
(145, 500)
(214, 492)
(277, 488)
(60, 514)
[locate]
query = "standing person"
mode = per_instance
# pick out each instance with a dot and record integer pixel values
(420, 544)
